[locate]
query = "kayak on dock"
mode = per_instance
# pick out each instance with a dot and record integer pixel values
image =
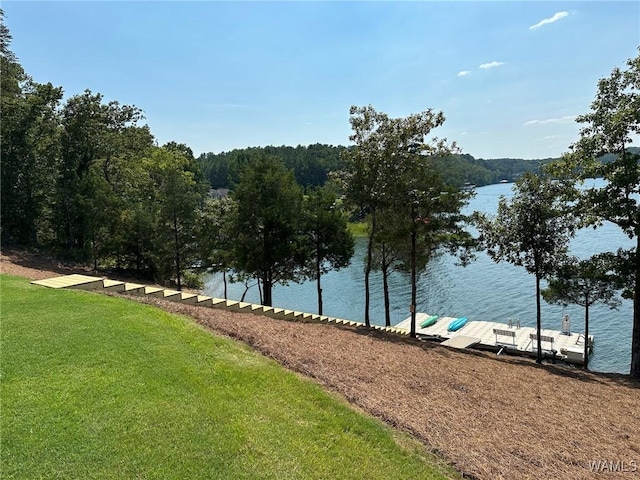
(457, 324)
(429, 321)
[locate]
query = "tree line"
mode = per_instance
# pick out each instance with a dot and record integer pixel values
(312, 165)
(84, 179)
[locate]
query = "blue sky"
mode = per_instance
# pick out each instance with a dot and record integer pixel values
(509, 76)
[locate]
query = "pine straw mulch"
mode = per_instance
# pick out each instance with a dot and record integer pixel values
(491, 417)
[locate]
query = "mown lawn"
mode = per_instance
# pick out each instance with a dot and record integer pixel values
(102, 387)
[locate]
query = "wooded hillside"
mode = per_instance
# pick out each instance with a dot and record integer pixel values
(312, 164)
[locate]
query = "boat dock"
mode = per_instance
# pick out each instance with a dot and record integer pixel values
(508, 338)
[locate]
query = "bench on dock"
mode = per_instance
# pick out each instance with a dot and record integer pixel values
(505, 333)
(543, 338)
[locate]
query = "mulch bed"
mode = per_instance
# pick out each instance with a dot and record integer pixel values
(491, 417)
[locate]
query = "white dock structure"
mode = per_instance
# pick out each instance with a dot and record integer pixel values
(503, 337)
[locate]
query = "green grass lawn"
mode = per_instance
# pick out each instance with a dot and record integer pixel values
(101, 387)
(359, 229)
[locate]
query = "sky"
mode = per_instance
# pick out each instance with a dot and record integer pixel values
(510, 77)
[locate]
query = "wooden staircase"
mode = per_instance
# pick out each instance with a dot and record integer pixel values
(100, 284)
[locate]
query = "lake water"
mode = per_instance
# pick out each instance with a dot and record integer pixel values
(484, 290)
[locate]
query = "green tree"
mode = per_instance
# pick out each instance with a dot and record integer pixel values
(181, 149)
(133, 220)
(409, 235)
(330, 243)
(29, 146)
(269, 246)
(584, 283)
(364, 176)
(311, 165)
(391, 167)
(29, 159)
(96, 198)
(217, 236)
(12, 71)
(432, 216)
(94, 135)
(609, 126)
(531, 230)
(387, 256)
(179, 196)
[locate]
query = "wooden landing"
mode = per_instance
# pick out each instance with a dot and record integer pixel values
(461, 341)
(71, 281)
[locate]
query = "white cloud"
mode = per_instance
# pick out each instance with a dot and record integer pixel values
(565, 119)
(463, 73)
(464, 133)
(546, 21)
(486, 66)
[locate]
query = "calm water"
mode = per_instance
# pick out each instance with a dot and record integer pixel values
(483, 290)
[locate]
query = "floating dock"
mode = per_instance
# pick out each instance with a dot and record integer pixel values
(508, 338)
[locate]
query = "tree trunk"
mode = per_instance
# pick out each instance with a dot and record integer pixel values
(413, 272)
(319, 287)
(93, 252)
(635, 336)
(138, 256)
(32, 208)
(385, 287)
(175, 232)
(538, 320)
(224, 282)
(267, 287)
(69, 228)
(246, 289)
(367, 269)
(586, 333)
